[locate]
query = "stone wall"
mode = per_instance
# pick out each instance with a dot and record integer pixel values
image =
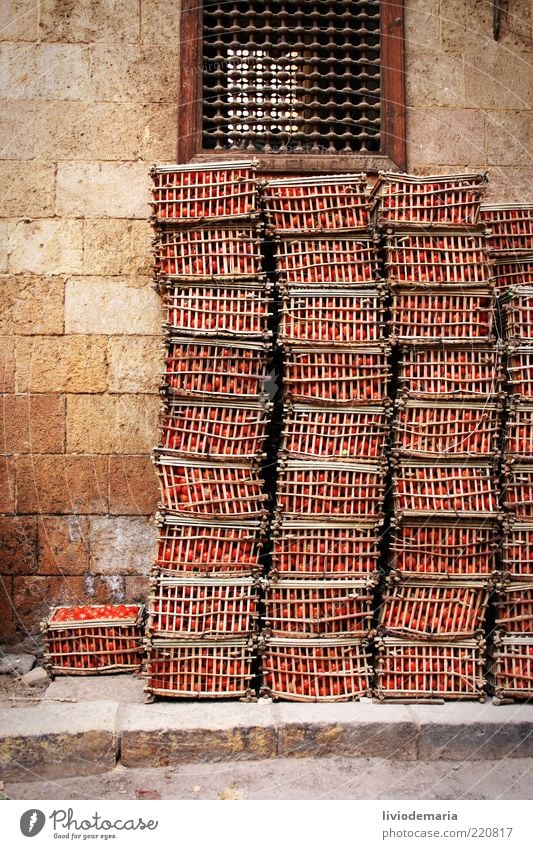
(88, 93)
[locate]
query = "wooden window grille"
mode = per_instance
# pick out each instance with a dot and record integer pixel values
(297, 85)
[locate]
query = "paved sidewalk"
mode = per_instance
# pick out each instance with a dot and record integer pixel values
(85, 726)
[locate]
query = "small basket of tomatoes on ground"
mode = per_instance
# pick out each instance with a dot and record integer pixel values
(94, 639)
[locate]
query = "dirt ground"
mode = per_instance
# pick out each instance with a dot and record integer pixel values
(15, 693)
(291, 778)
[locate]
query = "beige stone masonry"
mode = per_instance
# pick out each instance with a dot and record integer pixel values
(61, 364)
(45, 246)
(111, 306)
(103, 189)
(111, 424)
(122, 545)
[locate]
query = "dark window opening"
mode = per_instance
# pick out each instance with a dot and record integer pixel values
(293, 83)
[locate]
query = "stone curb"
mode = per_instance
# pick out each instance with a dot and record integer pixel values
(89, 737)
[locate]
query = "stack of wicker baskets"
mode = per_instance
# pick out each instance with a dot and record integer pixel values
(331, 469)
(203, 604)
(445, 442)
(511, 646)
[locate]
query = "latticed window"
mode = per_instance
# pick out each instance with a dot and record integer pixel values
(296, 84)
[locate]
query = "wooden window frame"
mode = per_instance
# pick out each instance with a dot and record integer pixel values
(392, 105)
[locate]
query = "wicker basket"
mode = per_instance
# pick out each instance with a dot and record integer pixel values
(510, 272)
(202, 607)
(436, 429)
(316, 670)
(445, 488)
(239, 310)
(195, 669)
(436, 549)
(195, 547)
(520, 370)
(319, 608)
(429, 316)
(451, 200)
(222, 432)
(312, 260)
(316, 204)
(346, 316)
(463, 373)
(517, 551)
(335, 434)
(518, 315)
(208, 368)
(206, 253)
(426, 259)
(416, 608)
(307, 549)
(514, 608)
(95, 639)
(421, 670)
(212, 191)
(517, 494)
(337, 376)
(518, 443)
(511, 228)
(210, 490)
(308, 488)
(511, 666)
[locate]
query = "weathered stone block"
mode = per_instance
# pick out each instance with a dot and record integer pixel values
(47, 246)
(111, 424)
(32, 424)
(18, 20)
(27, 188)
(89, 20)
(451, 137)
(121, 545)
(421, 26)
(34, 595)
(434, 79)
(7, 624)
(63, 545)
(16, 129)
(478, 732)
(507, 183)
(133, 488)
(159, 132)
(7, 484)
(138, 73)
(77, 740)
(466, 26)
(112, 306)
(136, 588)
(329, 729)
(44, 72)
(4, 229)
(160, 21)
(135, 363)
(18, 544)
(103, 189)
(61, 364)
(51, 483)
(153, 735)
(494, 82)
(7, 364)
(114, 246)
(509, 136)
(86, 131)
(31, 305)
